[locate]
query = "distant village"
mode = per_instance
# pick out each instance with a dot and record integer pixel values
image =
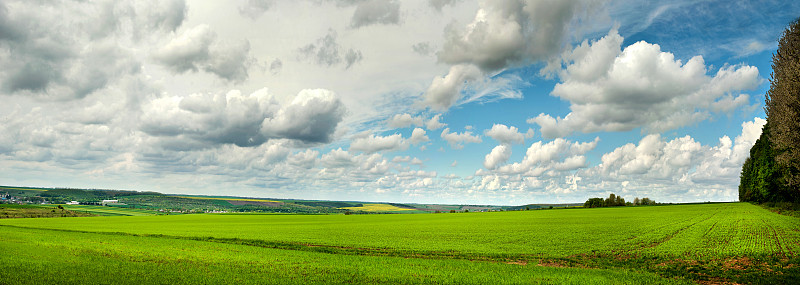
(6, 198)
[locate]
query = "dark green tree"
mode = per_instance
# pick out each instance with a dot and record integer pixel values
(611, 200)
(783, 107)
(593, 203)
(761, 181)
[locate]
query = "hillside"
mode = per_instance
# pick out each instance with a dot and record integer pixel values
(175, 204)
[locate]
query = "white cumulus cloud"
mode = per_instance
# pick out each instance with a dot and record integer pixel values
(418, 136)
(500, 154)
(373, 143)
(456, 140)
(404, 120)
(614, 89)
(505, 134)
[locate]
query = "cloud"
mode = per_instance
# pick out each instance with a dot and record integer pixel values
(70, 51)
(255, 8)
(723, 163)
(398, 159)
(549, 127)
(680, 169)
(327, 52)
(262, 157)
(352, 57)
(373, 143)
(418, 136)
(304, 159)
(439, 4)
(186, 51)
(404, 120)
(276, 66)
(231, 61)
(372, 12)
(198, 49)
(500, 154)
(507, 33)
(167, 15)
(338, 158)
(434, 123)
(201, 121)
(466, 83)
(652, 157)
(558, 155)
(35, 135)
(220, 119)
(610, 89)
(505, 134)
(456, 140)
(681, 160)
(423, 48)
(311, 117)
(445, 91)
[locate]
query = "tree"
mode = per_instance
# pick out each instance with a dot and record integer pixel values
(593, 203)
(783, 107)
(636, 201)
(611, 200)
(761, 179)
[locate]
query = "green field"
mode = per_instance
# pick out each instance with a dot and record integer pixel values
(735, 242)
(107, 210)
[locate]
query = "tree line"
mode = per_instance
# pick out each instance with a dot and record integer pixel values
(772, 172)
(615, 201)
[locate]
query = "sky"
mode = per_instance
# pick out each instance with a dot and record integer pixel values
(429, 101)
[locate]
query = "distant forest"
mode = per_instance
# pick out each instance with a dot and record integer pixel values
(615, 201)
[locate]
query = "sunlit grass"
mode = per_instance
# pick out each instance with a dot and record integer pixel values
(735, 242)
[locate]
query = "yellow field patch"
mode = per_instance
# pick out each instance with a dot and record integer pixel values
(230, 199)
(376, 208)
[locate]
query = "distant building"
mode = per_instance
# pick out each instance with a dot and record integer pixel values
(109, 202)
(73, 203)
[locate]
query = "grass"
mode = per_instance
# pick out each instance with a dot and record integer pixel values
(106, 210)
(78, 258)
(783, 208)
(377, 208)
(736, 242)
(10, 211)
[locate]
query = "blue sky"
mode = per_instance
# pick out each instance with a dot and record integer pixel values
(437, 101)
